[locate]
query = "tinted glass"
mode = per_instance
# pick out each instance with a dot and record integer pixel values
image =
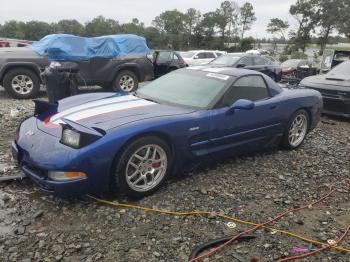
(225, 60)
(209, 55)
(246, 61)
(342, 69)
(218, 54)
(187, 54)
(185, 88)
(201, 55)
(248, 87)
(259, 61)
(164, 57)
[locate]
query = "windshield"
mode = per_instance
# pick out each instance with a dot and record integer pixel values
(342, 69)
(225, 60)
(291, 63)
(187, 54)
(186, 87)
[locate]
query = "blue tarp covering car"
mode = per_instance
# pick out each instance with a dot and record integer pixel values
(64, 47)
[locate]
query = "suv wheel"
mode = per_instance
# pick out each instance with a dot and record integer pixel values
(125, 81)
(22, 83)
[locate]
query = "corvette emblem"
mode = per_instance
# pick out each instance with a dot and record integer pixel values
(29, 133)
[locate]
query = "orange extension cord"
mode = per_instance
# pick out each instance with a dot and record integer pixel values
(333, 189)
(317, 250)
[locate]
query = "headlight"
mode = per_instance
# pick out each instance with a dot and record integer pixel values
(70, 138)
(65, 176)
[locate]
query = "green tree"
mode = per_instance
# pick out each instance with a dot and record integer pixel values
(343, 24)
(207, 28)
(135, 27)
(35, 30)
(192, 19)
(328, 13)
(102, 26)
(223, 16)
(13, 29)
(277, 26)
(307, 14)
(247, 17)
(171, 23)
(69, 27)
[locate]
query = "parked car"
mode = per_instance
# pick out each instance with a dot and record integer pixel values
(200, 57)
(165, 61)
(249, 61)
(290, 67)
(20, 70)
(132, 143)
(335, 89)
(332, 58)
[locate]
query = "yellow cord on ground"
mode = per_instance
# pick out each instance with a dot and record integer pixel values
(218, 215)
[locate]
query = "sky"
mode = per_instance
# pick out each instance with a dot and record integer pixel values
(125, 10)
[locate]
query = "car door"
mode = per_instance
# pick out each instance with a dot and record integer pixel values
(245, 128)
(262, 65)
(162, 62)
(246, 62)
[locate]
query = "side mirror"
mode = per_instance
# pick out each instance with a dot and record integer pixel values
(241, 65)
(242, 104)
(195, 57)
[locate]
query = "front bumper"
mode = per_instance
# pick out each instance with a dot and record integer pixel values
(39, 176)
(335, 102)
(37, 152)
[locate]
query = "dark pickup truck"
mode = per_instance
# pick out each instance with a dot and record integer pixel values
(20, 70)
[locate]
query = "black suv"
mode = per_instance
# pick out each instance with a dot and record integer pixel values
(20, 70)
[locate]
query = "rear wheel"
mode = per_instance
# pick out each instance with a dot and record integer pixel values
(296, 130)
(22, 83)
(143, 167)
(125, 81)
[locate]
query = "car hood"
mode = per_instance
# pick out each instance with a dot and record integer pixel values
(328, 81)
(105, 111)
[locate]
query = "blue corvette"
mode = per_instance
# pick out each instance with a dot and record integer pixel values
(132, 143)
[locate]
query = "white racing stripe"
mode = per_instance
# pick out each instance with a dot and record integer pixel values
(74, 114)
(93, 104)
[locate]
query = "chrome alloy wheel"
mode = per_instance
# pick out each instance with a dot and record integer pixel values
(146, 168)
(126, 83)
(22, 84)
(297, 131)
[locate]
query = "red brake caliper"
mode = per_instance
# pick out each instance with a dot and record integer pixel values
(156, 164)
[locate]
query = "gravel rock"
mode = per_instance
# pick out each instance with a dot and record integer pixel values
(256, 187)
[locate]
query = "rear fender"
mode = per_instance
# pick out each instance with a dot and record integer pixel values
(13, 65)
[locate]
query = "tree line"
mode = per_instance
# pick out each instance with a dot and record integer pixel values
(175, 29)
(316, 21)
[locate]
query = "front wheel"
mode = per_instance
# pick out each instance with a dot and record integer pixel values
(297, 129)
(22, 83)
(143, 167)
(125, 81)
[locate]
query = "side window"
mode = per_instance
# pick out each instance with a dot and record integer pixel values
(201, 55)
(175, 57)
(246, 61)
(209, 55)
(218, 54)
(251, 87)
(259, 61)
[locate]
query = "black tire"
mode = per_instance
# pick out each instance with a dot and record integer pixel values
(116, 86)
(286, 143)
(119, 181)
(12, 74)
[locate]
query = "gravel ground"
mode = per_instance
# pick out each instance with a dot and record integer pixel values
(38, 227)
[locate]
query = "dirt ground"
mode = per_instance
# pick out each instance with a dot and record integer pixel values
(35, 226)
